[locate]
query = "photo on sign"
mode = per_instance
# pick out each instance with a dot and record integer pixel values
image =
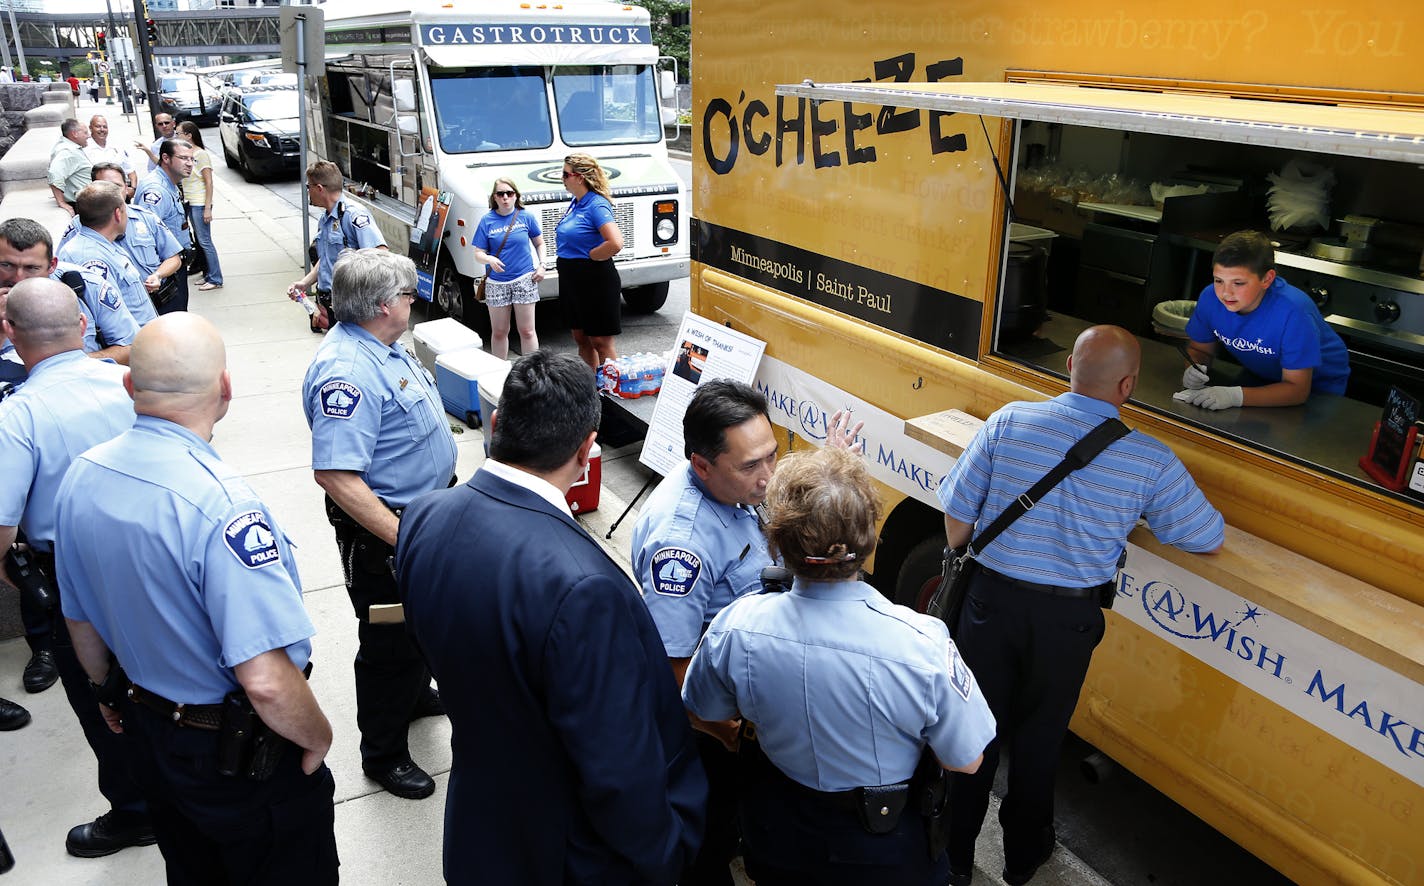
(425, 238)
(689, 362)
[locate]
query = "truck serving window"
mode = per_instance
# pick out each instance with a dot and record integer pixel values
(1118, 197)
(490, 109)
(607, 104)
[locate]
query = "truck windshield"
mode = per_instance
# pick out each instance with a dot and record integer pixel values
(607, 104)
(490, 109)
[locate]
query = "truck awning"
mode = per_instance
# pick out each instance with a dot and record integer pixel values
(497, 55)
(1380, 133)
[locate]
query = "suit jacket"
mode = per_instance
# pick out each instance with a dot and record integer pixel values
(573, 758)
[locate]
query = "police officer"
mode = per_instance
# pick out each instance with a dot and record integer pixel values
(845, 689)
(68, 404)
(1032, 615)
(103, 217)
(379, 439)
(25, 252)
(159, 191)
(146, 239)
(697, 546)
(343, 225)
(164, 127)
(197, 602)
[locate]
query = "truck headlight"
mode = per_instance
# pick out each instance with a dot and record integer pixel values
(664, 222)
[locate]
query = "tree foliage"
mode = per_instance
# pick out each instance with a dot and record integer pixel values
(671, 39)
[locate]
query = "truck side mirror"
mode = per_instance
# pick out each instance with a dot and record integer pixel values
(403, 91)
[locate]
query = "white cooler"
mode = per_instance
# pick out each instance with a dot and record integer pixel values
(457, 377)
(436, 337)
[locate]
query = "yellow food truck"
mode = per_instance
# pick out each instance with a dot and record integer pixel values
(918, 206)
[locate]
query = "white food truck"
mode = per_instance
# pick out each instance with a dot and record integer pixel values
(445, 97)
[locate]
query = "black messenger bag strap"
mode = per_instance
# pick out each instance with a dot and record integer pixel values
(1082, 452)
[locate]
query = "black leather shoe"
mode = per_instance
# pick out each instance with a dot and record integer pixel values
(429, 704)
(12, 716)
(40, 673)
(106, 835)
(404, 779)
(1023, 875)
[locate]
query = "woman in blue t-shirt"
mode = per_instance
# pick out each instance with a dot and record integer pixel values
(587, 239)
(502, 240)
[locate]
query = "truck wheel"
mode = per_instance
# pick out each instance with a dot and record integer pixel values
(453, 290)
(919, 574)
(645, 299)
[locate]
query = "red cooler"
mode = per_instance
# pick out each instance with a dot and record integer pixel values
(583, 495)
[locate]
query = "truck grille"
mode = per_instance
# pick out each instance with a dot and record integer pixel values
(622, 216)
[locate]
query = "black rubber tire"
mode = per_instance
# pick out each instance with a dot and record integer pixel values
(454, 292)
(919, 574)
(645, 299)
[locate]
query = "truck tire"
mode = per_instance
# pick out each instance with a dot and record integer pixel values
(645, 299)
(453, 290)
(919, 574)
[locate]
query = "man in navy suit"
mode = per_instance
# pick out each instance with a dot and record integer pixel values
(573, 758)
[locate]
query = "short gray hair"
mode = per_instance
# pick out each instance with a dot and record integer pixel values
(68, 127)
(364, 279)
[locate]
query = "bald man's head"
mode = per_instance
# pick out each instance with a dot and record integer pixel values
(43, 315)
(177, 354)
(1104, 364)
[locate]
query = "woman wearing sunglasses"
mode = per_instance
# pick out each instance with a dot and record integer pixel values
(587, 239)
(502, 241)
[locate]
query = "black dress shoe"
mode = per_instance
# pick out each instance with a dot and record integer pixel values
(429, 704)
(108, 834)
(404, 779)
(1023, 875)
(12, 716)
(40, 673)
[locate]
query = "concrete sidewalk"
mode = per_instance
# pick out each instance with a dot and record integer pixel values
(47, 777)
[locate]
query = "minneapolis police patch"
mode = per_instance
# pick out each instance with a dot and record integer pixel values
(339, 399)
(110, 298)
(675, 571)
(152, 198)
(360, 219)
(249, 537)
(98, 267)
(960, 676)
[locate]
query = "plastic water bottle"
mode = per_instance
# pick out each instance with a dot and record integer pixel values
(306, 304)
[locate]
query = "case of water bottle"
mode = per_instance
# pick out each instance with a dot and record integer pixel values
(632, 375)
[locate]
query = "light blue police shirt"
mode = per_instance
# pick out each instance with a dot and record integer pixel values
(69, 403)
(159, 194)
(343, 226)
(693, 555)
(1074, 536)
(147, 240)
(103, 308)
(172, 558)
(93, 251)
(844, 687)
(374, 410)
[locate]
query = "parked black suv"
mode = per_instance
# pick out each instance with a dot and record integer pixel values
(258, 126)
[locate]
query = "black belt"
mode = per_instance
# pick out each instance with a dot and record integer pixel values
(1051, 590)
(194, 716)
(849, 800)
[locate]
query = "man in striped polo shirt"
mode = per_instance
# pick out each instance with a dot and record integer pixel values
(1031, 617)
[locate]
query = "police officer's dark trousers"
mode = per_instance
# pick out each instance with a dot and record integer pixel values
(712, 866)
(390, 673)
(1029, 650)
(112, 752)
(179, 301)
(217, 830)
(794, 836)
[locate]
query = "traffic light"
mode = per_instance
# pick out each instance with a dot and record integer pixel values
(152, 32)
(100, 42)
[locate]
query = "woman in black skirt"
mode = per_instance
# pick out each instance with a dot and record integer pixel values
(587, 238)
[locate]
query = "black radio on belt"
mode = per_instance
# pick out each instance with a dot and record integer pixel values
(33, 584)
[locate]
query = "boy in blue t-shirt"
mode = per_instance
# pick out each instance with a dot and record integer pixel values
(1270, 326)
